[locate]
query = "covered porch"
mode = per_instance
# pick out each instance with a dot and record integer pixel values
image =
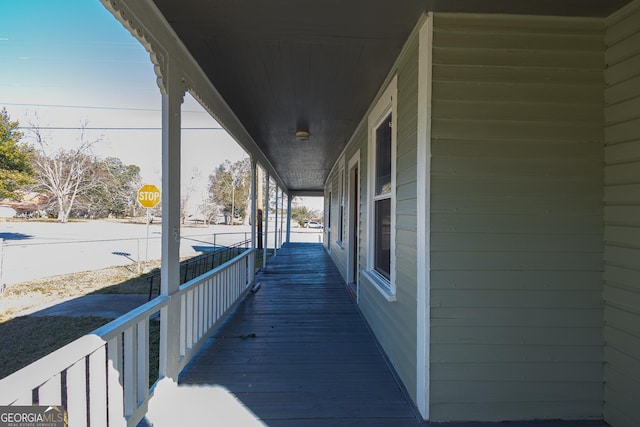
(479, 163)
(298, 352)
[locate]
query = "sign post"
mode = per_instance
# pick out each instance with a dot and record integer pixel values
(148, 197)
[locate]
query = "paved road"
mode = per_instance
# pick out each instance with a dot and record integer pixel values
(37, 249)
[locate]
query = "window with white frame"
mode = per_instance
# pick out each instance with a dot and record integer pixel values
(382, 159)
(341, 184)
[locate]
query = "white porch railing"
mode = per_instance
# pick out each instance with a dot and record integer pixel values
(103, 378)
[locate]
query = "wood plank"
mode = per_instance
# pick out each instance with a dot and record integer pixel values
(628, 215)
(520, 204)
(519, 40)
(621, 235)
(515, 168)
(552, 243)
(622, 111)
(621, 340)
(516, 392)
(518, 280)
(524, 260)
(519, 224)
(500, 91)
(527, 410)
(542, 299)
(626, 131)
(505, 74)
(489, 109)
(298, 350)
(622, 319)
(622, 27)
(519, 58)
(629, 364)
(510, 25)
(623, 49)
(627, 257)
(527, 130)
(570, 372)
(469, 318)
(515, 149)
(625, 193)
(621, 174)
(624, 70)
(621, 90)
(626, 386)
(486, 353)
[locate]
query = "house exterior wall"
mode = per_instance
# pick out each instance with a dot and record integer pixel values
(331, 218)
(332, 241)
(393, 322)
(622, 219)
(516, 218)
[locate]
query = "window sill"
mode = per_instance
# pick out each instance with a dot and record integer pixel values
(381, 284)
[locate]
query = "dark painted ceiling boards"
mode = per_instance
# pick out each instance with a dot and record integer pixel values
(288, 65)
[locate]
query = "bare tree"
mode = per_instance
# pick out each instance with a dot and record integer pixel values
(65, 174)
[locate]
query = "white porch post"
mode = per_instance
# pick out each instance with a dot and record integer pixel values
(252, 259)
(289, 198)
(266, 220)
(275, 222)
(281, 215)
(172, 99)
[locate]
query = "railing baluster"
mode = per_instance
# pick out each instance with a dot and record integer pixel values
(205, 305)
(227, 278)
(201, 311)
(77, 393)
(142, 381)
(50, 393)
(218, 297)
(129, 371)
(98, 388)
(183, 325)
(210, 303)
(189, 319)
(115, 397)
(196, 314)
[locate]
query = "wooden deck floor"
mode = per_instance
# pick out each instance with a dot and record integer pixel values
(298, 353)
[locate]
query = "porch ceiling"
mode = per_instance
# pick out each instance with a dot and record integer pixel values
(288, 65)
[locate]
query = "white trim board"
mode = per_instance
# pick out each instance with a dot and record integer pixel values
(385, 105)
(423, 223)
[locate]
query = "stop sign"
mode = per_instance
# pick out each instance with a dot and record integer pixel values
(149, 196)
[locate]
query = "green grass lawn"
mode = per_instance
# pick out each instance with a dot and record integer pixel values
(28, 338)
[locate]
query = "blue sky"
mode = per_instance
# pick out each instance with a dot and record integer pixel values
(66, 62)
(72, 49)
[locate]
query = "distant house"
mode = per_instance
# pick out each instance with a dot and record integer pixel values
(28, 205)
(7, 211)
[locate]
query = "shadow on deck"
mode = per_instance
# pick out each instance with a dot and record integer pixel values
(298, 352)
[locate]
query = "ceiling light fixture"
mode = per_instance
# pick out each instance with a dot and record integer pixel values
(302, 135)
